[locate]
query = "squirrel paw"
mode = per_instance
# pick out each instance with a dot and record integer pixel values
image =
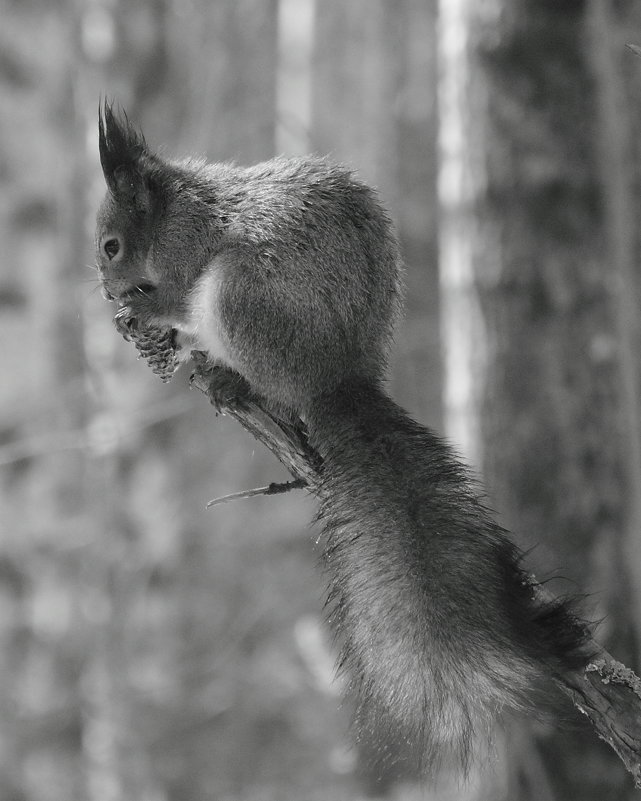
(124, 321)
(226, 388)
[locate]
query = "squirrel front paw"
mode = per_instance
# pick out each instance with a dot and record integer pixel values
(124, 320)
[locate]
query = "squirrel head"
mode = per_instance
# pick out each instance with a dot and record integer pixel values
(153, 229)
(126, 216)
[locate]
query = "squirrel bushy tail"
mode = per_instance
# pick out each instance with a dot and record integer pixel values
(439, 625)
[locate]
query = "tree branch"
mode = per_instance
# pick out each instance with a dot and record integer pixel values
(609, 694)
(271, 489)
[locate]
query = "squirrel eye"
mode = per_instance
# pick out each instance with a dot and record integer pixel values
(111, 247)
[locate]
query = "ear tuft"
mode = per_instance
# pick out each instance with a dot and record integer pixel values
(122, 148)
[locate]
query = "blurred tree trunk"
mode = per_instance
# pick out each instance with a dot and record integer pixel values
(618, 107)
(374, 107)
(418, 372)
(559, 404)
(461, 185)
(226, 108)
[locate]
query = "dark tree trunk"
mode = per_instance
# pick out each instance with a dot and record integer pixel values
(560, 397)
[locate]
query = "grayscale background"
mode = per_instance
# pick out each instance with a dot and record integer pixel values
(153, 650)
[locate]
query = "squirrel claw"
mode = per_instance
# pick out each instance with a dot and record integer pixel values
(124, 321)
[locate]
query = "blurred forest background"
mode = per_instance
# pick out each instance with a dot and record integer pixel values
(156, 651)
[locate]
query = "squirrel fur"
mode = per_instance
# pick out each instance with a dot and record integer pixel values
(288, 273)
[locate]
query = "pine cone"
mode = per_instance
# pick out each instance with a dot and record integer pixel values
(157, 346)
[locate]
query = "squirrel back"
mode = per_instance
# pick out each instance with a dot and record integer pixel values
(289, 273)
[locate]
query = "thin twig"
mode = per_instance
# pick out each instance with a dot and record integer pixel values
(275, 488)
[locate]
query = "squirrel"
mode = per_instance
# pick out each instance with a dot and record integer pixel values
(288, 275)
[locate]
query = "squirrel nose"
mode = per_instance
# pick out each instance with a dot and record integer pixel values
(114, 288)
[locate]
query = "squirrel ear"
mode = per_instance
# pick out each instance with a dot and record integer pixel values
(122, 151)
